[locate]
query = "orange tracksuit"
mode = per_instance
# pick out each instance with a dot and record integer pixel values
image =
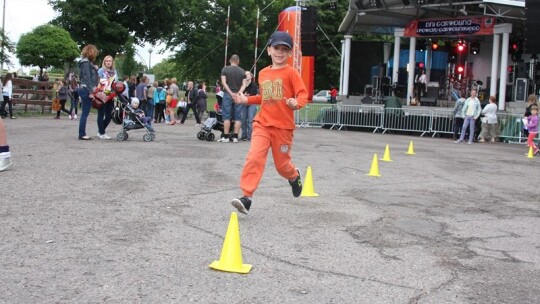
(273, 126)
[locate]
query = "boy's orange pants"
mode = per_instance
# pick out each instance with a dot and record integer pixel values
(262, 139)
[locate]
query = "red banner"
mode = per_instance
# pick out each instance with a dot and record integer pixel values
(466, 26)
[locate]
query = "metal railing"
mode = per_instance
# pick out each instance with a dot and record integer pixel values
(364, 116)
(410, 120)
(317, 115)
(377, 117)
(442, 121)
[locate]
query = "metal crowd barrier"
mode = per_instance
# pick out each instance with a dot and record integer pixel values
(511, 127)
(366, 116)
(411, 120)
(317, 115)
(433, 121)
(442, 121)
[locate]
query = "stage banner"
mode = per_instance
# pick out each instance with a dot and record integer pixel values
(466, 26)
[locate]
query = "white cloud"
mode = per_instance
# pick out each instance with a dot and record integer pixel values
(22, 16)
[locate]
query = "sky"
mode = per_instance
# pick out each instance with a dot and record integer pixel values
(22, 16)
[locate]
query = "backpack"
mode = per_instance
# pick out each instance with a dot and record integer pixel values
(162, 95)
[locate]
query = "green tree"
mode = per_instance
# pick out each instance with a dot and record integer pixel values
(7, 49)
(109, 24)
(46, 46)
(328, 59)
(200, 36)
(165, 69)
(126, 64)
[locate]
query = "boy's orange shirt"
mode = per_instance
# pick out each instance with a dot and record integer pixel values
(275, 87)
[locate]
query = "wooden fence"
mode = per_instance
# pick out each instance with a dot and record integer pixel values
(28, 92)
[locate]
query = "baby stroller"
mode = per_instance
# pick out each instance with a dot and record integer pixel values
(213, 122)
(124, 114)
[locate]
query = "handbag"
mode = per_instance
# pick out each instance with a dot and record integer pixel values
(100, 98)
(56, 106)
(168, 99)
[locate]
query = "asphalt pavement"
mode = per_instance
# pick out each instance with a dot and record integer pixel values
(107, 221)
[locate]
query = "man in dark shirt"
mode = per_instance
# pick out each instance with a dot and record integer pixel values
(232, 77)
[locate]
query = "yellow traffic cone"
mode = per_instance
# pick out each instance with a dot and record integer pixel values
(411, 149)
(374, 171)
(531, 154)
(307, 187)
(386, 156)
(231, 254)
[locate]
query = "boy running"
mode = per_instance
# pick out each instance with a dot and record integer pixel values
(281, 92)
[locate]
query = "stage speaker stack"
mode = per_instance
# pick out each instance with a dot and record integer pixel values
(532, 27)
(428, 102)
(309, 31)
(367, 100)
(432, 89)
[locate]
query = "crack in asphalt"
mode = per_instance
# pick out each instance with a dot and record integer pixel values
(313, 269)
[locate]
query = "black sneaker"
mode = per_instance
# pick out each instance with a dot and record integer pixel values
(242, 204)
(296, 185)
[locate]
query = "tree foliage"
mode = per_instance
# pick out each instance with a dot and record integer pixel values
(46, 46)
(7, 49)
(125, 63)
(165, 69)
(196, 31)
(328, 59)
(200, 36)
(110, 23)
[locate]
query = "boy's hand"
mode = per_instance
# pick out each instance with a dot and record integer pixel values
(292, 103)
(240, 98)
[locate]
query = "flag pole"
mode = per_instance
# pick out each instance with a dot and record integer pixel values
(227, 34)
(256, 44)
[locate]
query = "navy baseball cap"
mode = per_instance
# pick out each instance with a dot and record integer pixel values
(281, 38)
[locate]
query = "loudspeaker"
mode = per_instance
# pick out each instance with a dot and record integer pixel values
(532, 27)
(368, 89)
(430, 102)
(432, 92)
(367, 100)
(521, 90)
(308, 32)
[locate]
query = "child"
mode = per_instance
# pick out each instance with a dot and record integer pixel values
(62, 95)
(532, 126)
(140, 114)
(283, 91)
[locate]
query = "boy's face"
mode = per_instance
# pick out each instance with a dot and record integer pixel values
(279, 54)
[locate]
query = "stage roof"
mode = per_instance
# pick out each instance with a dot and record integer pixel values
(384, 16)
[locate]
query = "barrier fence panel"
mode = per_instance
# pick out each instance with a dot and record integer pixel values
(367, 116)
(398, 119)
(511, 127)
(442, 121)
(317, 115)
(412, 120)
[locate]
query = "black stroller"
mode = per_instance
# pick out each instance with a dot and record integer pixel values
(124, 114)
(213, 122)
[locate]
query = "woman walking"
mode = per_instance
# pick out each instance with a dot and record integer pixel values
(62, 92)
(7, 93)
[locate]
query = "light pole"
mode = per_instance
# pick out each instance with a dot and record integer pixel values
(3, 34)
(150, 50)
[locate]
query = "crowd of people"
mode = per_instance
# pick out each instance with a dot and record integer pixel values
(160, 100)
(468, 111)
